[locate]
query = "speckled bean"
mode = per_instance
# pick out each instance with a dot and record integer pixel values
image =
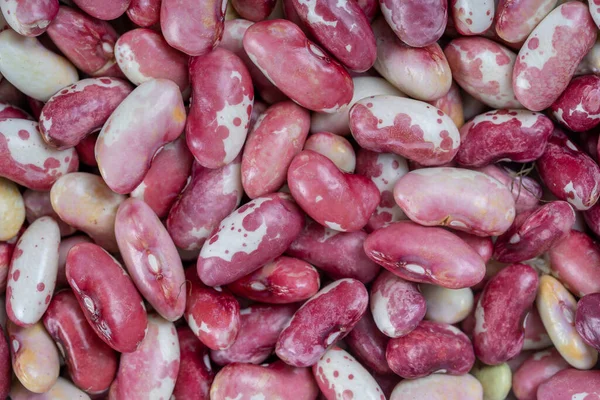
(151, 370)
(144, 13)
(324, 319)
(297, 66)
(516, 19)
(572, 384)
(12, 209)
(472, 17)
(448, 306)
(416, 23)
(537, 369)
(548, 59)
(343, 202)
(39, 204)
(578, 108)
(278, 135)
(335, 147)
(368, 344)
(94, 215)
(451, 103)
(7, 110)
(587, 319)
(499, 314)
(495, 379)
(61, 390)
(107, 296)
(195, 372)
(29, 17)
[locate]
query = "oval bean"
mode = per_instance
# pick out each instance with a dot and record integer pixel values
(336, 148)
(62, 390)
(570, 383)
(368, 344)
(38, 204)
(144, 13)
(448, 306)
(515, 21)
(439, 387)
(587, 319)
(29, 18)
(577, 108)
(495, 379)
(105, 10)
(472, 17)
(12, 209)
(195, 372)
(537, 369)
(254, 10)
(416, 23)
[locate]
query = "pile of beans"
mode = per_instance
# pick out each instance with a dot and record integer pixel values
(299, 199)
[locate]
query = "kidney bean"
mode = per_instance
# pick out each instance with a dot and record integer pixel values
(34, 357)
(211, 313)
(338, 122)
(80, 346)
(447, 306)
(495, 380)
(211, 195)
(144, 13)
(86, 150)
(439, 387)
(557, 308)
(340, 201)
(515, 20)
(121, 136)
(577, 107)
(298, 67)
(106, 10)
(266, 226)
(537, 369)
(143, 54)
(536, 337)
(151, 258)
(278, 135)
(193, 27)
(534, 232)
(38, 204)
(7, 110)
(173, 160)
(451, 103)
(416, 23)
(12, 209)
(472, 17)
(29, 18)
(525, 191)
(220, 113)
(368, 344)
(281, 281)
(569, 173)
(503, 135)
(94, 215)
(151, 370)
(431, 347)
(484, 246)
(338, 375)
(419, 132)
(338, 254)
(61, 390)
(443, 259)
(195, 372)
(506, 299)
(336, 148)
(425, 74)
(272, 381)
(261, 325)
(324, 319)
(587, 319)
(5, 367)
(549, 56)
(254, 10)
(461, 199)
(397, 305)
(570, 383)
(63, 249)
(107, 296)
(343, 30)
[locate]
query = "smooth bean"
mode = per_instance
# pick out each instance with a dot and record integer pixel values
(416, 23)
(537, 369)
(195, 371)
(368, 344)
(12, 209)
(449, 306)
(587, 319)
(38, 204)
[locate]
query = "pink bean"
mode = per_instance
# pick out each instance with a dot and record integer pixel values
(211, 195)
(107, 296)
(460, 199)
(86, 150)
(536, 370)
(38, 204)
(82, 349)
(299, 68)
(323, 320)
(336, 148)
(151, 258)
(80, 109)
(211, 313)
(278, 135)
(416, 23)
(6, 250)
(220, 112)
(578, 108)
(278, 380)
(472, 17)
(193, 27)
(7, 110)
(195, 372)
(32, 274)
(143, 54)
(27, 160)
(425, 73)
(535, 232)
(575, 261)
(343, 202)
(451, 103)
(397, 305)
(482, 245)
(516, 19)
(592, 218)
(151, 370)
(144, 13)
(29, 17)
(587, 319)
(255, 233)
(63, 250)
(442, 259)
(569, 173)
(484, 69)
(338, 254)
(499, 334)
(572, 384)
(431, 347)
(536, 337)
(5, 368)
(368, 344)
(281, 281)
(150, 117)
(105, 10)
(85, 41)
(174, 160)
(342, 29)
(549, 56)
(261, 325)
(503, 135)
(254, 10)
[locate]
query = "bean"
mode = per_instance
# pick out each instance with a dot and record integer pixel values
(587, 319)
(254, 10)
(368, 344)
(195, 372)
(451, 103)
(29, 18)
(472, 17)
(449, 306)
(575, 108)
(144, 13)
(12, 209)
(7, 110)
(495, 380)
(536, 337)
(416, 23)
(570, 383)
(5, 367)
(38, 204)
(484, 246)
(537, 369)
(515, 21)
(6, 251)
(439, 387)
(336, 148)
(86, 150)
(61, 390)
(106, 10)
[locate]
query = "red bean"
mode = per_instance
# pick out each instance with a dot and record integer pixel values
(537, 369)
(195, 372)
(368, 344)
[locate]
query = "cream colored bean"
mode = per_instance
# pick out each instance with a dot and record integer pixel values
(12, 209)
(447, 305)
(496, 380)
